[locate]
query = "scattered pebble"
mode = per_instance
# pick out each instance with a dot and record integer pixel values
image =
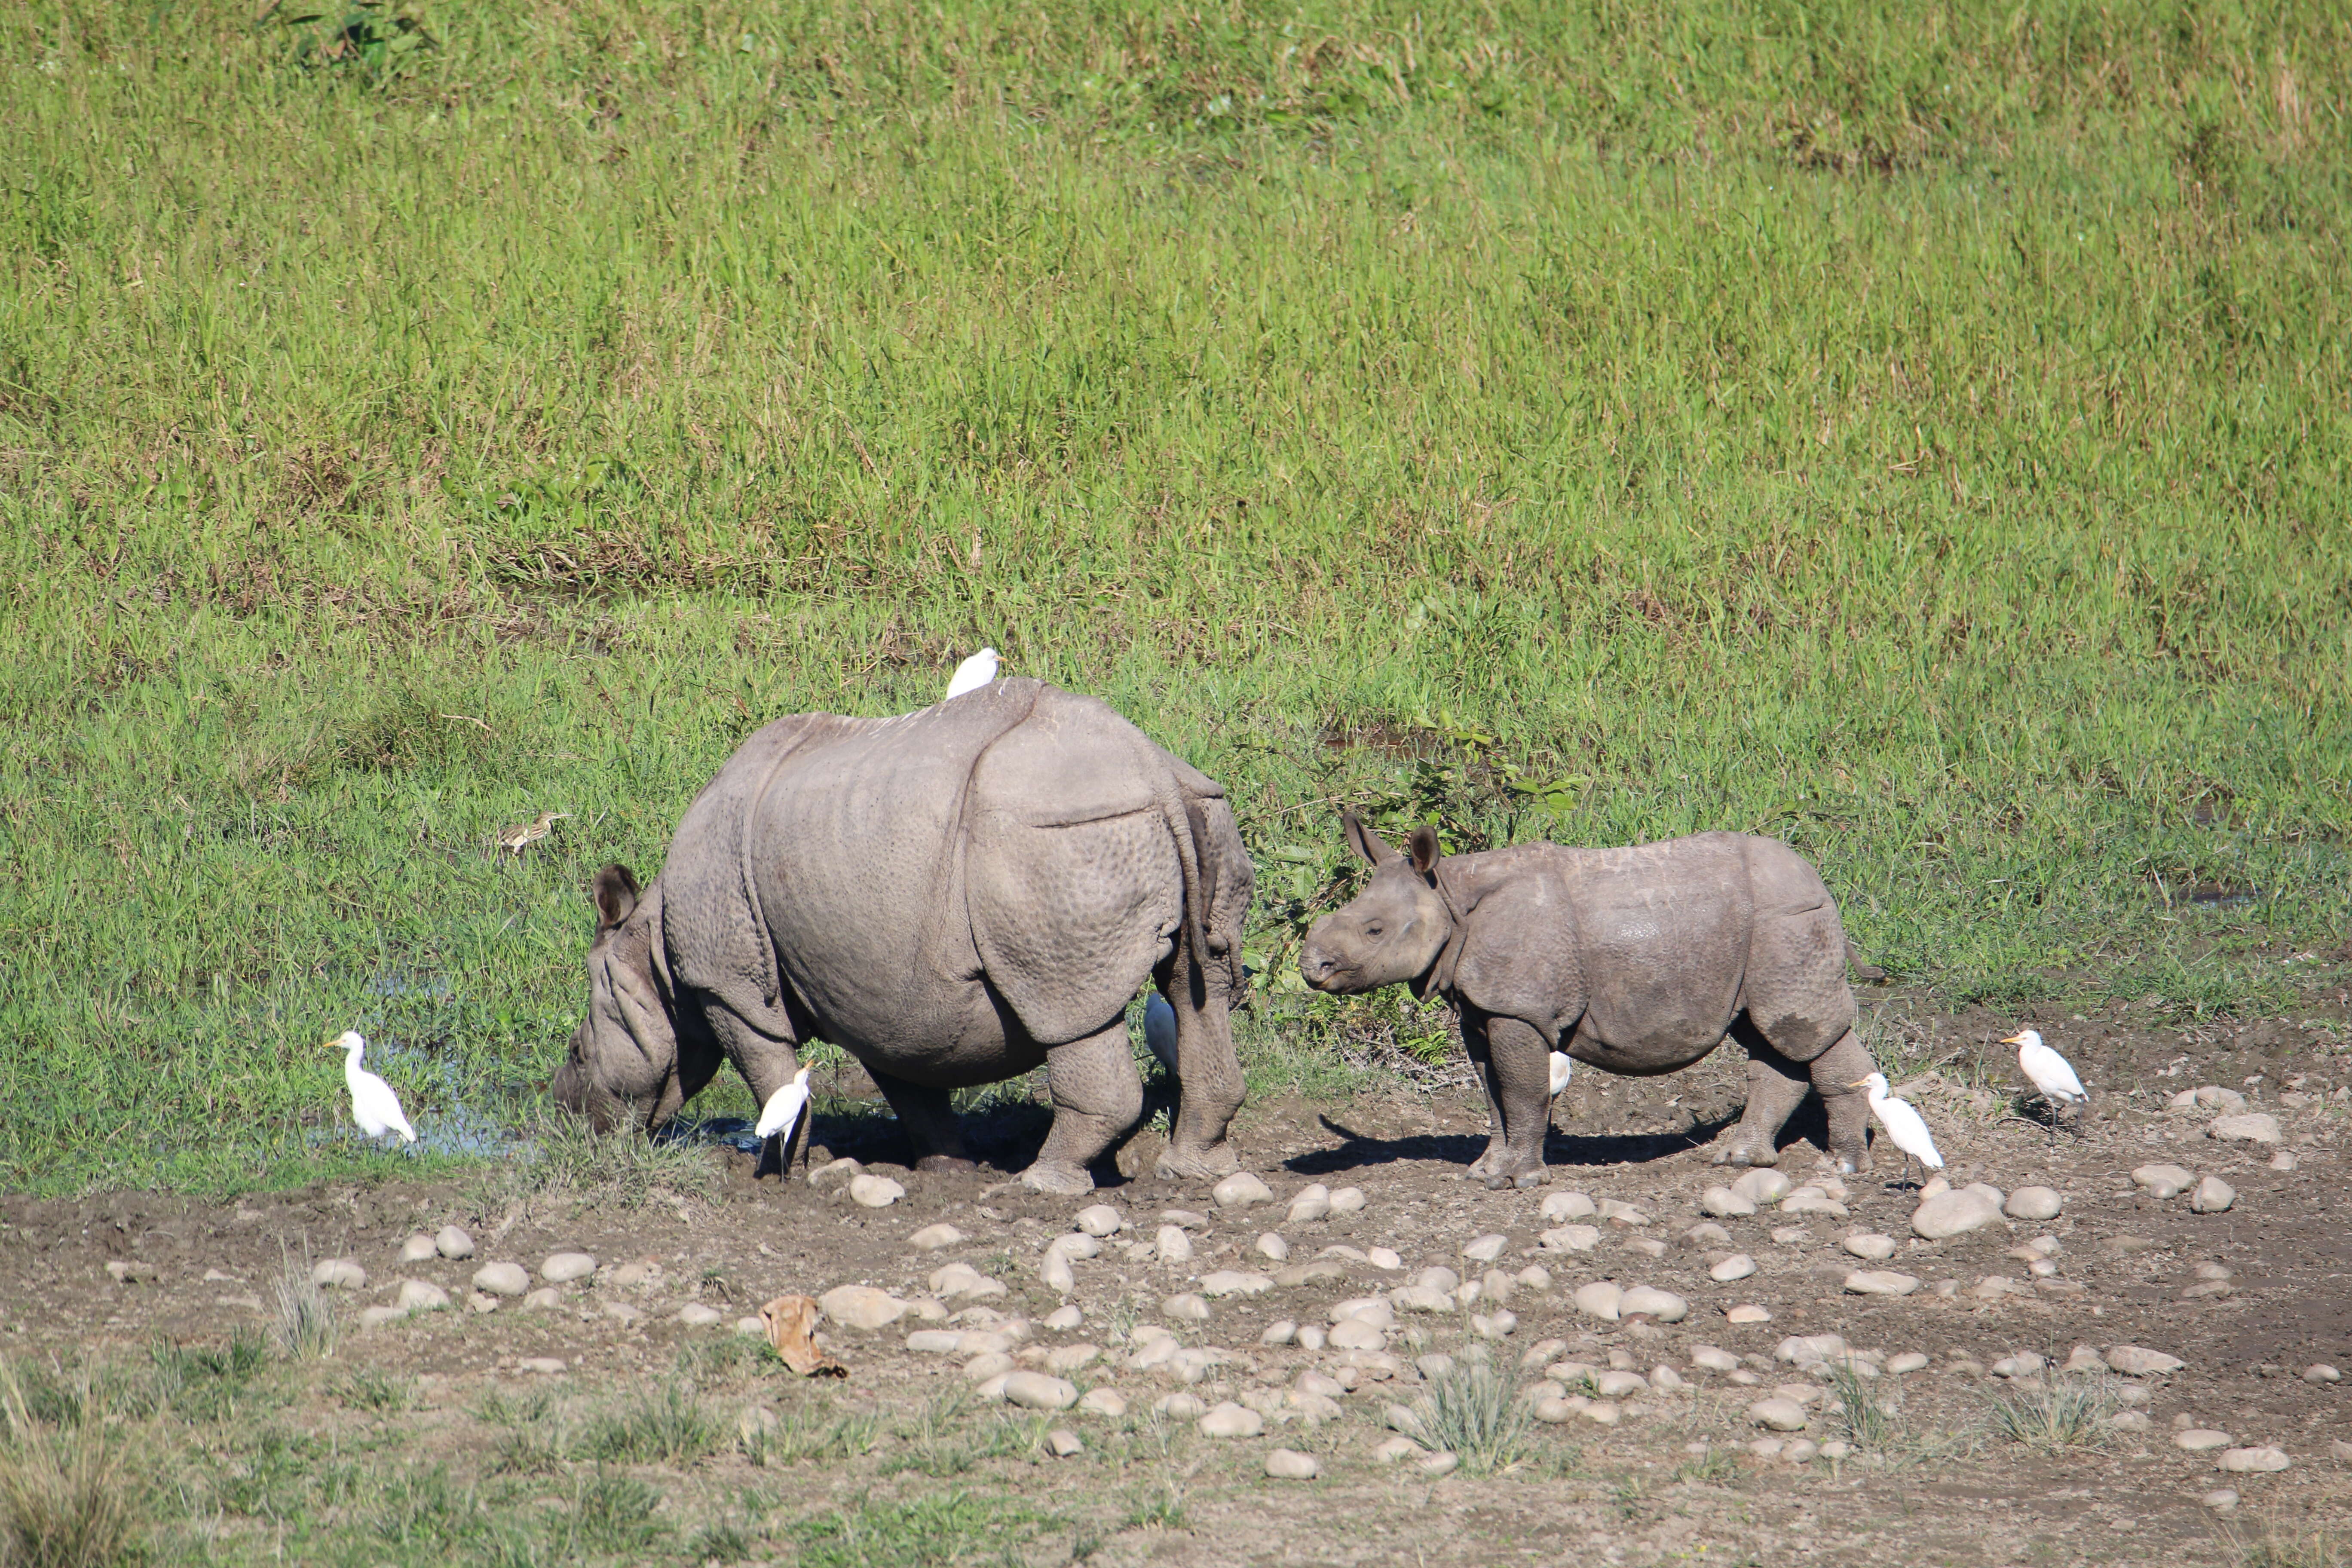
(957, 1279)
(697, 1315)
(546, 1298)
(2135, 1361)
(2033, 1203)
(2213, 1195)
(1486, 1248)
(1957, 1213)
(563, 1267)
(1599, 1299)
(1879, 1282)
(2282, 1160)
(1173, 1245)
(2255, 1127)
(1778, 1415)
(2201, 1439)
(1290, 1465)
(1723, 1204)
(1738, 1266)
(1561, 1207)
(1185, 1308)
(1064, 1317)
(875, 1191)
(751, 1328)
(1227, 1419)
(417, 1248)
(1394, 1448)
(1440, 1464)
(501, 1279)
(421, 1296)
(621, 1312)
(1648, 1300)
(1910, 1361)
(1347, 1200)
(1762, 1184)
(932, 1237)
(1383, 1259)
(2321, 1372)
(2220, 1499)
(1242, 1189)
(545, 1365)
(1570, 1238)
(1747, 1312)
(1706, 1233)
(1236, 1282)
(834, 1174)
(1869, 1244)
(336, 1273)
(1181, 1408)
(1096, 1219)
(2163, 1181)
(1107, 1402)
(453, 1244)
(1039, 1391)
(1063, 1442)
(1714, 1359)
(2260, 1461)
(1310, 1203)
(1273, 1247)
(861, 1307)
(2024, 1363)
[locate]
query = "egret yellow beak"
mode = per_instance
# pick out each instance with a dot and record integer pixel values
(1859, 1083)
(2012, 1039)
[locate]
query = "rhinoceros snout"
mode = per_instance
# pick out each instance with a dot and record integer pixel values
(1319, 967)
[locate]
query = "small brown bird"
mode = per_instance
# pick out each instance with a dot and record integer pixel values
(523, 835)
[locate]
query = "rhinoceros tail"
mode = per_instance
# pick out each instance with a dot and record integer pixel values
(1862, 968)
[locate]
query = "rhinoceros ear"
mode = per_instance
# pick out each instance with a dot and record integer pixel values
(615, 891)
(1364, 841)
(1422, 845)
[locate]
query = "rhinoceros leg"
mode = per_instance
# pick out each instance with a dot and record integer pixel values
(1096, 1097)
(1208, 1074)
(1776, 1087)
(1515, 1062)
(1834, 1072)
(930, 1119)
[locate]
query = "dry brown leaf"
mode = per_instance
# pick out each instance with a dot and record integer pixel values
(792, 1328)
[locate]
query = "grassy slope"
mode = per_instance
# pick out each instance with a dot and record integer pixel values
(1918, 434)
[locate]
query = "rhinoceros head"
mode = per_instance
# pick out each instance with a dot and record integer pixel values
(1393, 929)
(625, 1049)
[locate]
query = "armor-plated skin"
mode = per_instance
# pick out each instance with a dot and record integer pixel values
(1639, 961)
(953, 896)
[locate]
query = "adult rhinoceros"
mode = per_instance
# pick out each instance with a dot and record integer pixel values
(1639, 961)
(953, 896)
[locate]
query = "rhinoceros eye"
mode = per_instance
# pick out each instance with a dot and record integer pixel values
(1373, 929)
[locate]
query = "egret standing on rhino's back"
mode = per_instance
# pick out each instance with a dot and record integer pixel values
(1639, 961)
(953, 896)
(373, 1105)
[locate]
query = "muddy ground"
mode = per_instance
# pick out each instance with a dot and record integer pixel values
(1675, 1479)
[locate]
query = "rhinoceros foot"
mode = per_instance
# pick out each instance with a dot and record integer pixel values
(945, 1165)
(1535, 1178)
(1748, 1154)
(1198, 1164)
(1062, 1181)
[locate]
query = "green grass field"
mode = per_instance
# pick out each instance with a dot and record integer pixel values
(1919, 432)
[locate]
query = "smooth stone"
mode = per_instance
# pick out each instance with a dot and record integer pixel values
(546, 1298)
(1599, 1299)
(1290, 1465)
(501, 1279)
(2262, 1460)
(1352, 1334)
(1738, 1266)
(1496, 1287)
(622, 1312)
(2210, 1097)
(1423, 1299)
(2220, 1499)
(1437, 1278)
(1064, 1317)
(2320, 1371)
(1173, 1245)
(1310, 1203)
(1441, 1464)
(1725, 1204)
(1778, 1415)
(1617, 1212)
(1602, 1412)
(1076, 1244)
(1560, 1207)
(1099, 1219)
(1534, 1277)
(1054, 1272)
(2282, 1160)
(1879, 1282)
(697, 1315)
(1706, 1233)
(1396, 1448)
(453, 1244)
(2130, 1421)
(1800, 1451)
(1495, 1325)
(2213, 1195)
(2035, 1202)
(1226, 1419)
(1384, 1259)
(1347, 1200)
(861, 1307)
(1910, 1361)
(1649, 1301)
(1314, 1271)
(833, 1174)
(1570, 1238)
(1869, 1244)
(2201, 1439)
(1761, 1185)
(1040, 1391)
(421, 1296)
(338, 1274)
(1181, 1408)
(874, 1191)
(1376, 1310)
(1747, 1312)
(1935, 1188)
(1188, 1219)
(1273, 1249)
(935, 1342)
(989, 1366)
(417, 1248)
(2137, 1361)
(1107, 1402)
(2024, 1363)
(544, 1365)
(1072, 1358)
(1486, 1248)
(481, 1303)
(932, 1237)
(2257, 1127)
(1799, 1349)
(1241, 1190)
(1812, 1203)
(1186, 1307)
(962, 1279)
(563, 1267)
(1616, 1384)
(1955, 1213)
(2163, 1181)
(1557, 1408)
(1063, 1442)
(1714, 1358)
(1236, 1282)
(1667, 1380)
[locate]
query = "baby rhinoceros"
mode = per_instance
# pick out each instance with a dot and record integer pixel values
(1638, 961)
(953, 896)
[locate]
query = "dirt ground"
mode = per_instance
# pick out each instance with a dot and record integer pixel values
(1675, 1479)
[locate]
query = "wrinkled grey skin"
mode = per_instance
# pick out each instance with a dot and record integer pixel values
(953, 896)
(1638, 961)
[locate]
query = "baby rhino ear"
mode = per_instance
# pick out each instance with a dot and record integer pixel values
(615, 891)
(1423, 848)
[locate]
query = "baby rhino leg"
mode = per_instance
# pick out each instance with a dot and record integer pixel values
(1518, 1089)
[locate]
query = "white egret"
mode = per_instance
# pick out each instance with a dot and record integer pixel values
(373, 1105)
(2052, 1074)
(1904, 1125)
(1562, 1064)
(972, 673)
(1159, 1029)
(782, 1112)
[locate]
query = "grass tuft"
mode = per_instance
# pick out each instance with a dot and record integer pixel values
(305, 1327)
(2066, 1413)
(1475, 1411)
(1862, 1417)
(69, 1497)
(669, 1424)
